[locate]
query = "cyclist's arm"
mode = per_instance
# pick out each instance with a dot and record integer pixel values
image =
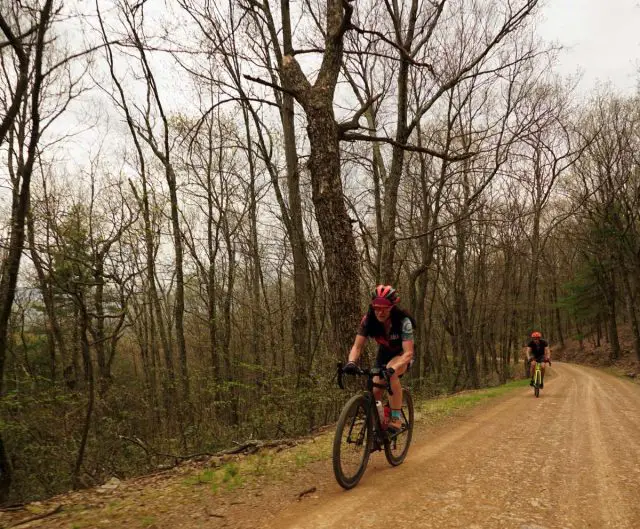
(547, 353)
(407, 353)
(407, 345)
(356, 348)
(529, 353)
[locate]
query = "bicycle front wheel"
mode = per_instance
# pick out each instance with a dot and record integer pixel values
(397, 444)
(352, 442)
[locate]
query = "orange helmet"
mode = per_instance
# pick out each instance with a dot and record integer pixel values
(384, 296)
(536, 334)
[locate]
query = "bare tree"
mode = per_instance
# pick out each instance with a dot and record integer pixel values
(478, 40)
(324, 133)
(27, 44)
(133, 17)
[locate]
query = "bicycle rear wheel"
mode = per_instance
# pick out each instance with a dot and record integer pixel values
(397, 444)
(352, 442)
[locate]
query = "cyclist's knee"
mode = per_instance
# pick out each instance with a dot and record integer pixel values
(399, 371)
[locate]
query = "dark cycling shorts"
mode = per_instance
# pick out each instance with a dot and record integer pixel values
(539, 360)
(384, 357)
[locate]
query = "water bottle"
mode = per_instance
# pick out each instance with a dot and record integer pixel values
(387, 414)
(380, 411)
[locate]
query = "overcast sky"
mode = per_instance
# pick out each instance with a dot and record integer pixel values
(602, 38)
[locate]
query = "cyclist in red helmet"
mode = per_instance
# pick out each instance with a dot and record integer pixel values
(392, 328)
(538, 353)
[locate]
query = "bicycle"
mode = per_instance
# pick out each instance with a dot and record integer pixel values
(360, 430)
(537, 378)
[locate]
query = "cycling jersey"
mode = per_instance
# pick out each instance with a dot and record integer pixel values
(537, 349)
(389, 335)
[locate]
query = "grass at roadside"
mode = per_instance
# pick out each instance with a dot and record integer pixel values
(274, 465)
(432, 410)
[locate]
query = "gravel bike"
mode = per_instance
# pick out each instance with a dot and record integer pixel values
(537, 378)
(361, 431)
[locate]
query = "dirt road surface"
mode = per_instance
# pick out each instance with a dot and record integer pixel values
(570, 459)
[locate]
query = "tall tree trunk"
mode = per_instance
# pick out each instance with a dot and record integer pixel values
(324, 165)
(20, 206)
(254, 250)
(612, 324)
(47, 296)
(334, 224)
(558, 317)
(302, 312)
(533, 322)
(178, 309)
(86, 355)
(464, 341)
(98, 332)
(633, 313)
(156, 317)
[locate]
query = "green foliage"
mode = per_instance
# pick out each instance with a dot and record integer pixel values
(231, 478)
(72, 259)
(262, 463)
(38, 430)
(206, 476)
(443, 407)
(148, 521)
(302, 458)
(583, 298)
(227, 476)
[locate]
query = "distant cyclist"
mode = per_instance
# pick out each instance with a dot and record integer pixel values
(538, 353)
(392, 328)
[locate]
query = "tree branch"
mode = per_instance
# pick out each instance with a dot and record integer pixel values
(269, 84)
(352, 124)
(449, 158)
(53, 511)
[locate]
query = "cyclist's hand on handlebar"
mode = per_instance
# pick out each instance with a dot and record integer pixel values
(350, 368)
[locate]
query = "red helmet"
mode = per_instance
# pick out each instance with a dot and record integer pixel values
(384, 296)
(536, 334)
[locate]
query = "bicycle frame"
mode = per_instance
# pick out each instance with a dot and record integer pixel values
(370, 435)
(378, 431)
(537, 375)
(537, 378)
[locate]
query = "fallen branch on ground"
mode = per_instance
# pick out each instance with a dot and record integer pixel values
(252, 446)
(34, 518)
(246, 448)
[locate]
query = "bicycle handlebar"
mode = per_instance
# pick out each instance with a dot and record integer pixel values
(543, 362)
(370, 373)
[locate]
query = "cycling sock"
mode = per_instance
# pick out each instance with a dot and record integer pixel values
(395, 414)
